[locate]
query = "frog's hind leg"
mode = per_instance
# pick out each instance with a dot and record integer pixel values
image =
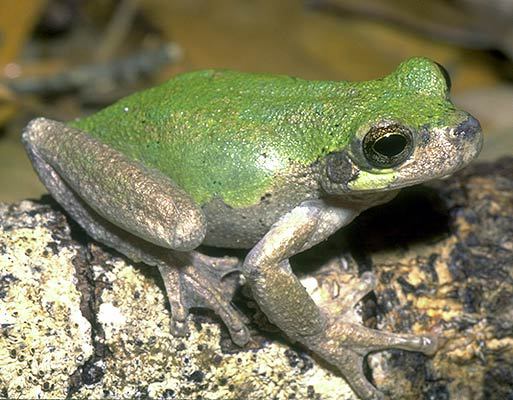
(191, 280)
(137, 199)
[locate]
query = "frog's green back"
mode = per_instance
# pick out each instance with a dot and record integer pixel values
(229, 134)
(220, 132)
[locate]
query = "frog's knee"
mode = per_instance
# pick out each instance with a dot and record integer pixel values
(35, 131)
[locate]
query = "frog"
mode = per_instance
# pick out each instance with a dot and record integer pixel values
(268, 163)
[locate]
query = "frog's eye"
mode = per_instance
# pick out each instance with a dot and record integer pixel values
(387, 146)
(445, 75)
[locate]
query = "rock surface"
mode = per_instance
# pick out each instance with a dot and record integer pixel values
(77, 320)
(457, 284)
(44, 335)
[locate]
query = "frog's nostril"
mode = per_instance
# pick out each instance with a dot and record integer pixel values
(469, 129)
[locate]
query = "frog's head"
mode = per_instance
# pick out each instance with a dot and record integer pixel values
(406, 131)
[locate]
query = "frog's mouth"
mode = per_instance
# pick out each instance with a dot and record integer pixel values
(438, 153)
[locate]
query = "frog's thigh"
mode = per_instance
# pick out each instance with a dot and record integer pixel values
(96, 226)
(279, 293)
(82, 172)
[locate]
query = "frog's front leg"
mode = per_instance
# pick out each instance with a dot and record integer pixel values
(332, 335)
(139, 212)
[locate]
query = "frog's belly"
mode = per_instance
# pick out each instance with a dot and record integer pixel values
(244, 227)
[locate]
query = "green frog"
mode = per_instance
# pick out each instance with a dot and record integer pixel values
(270, 163)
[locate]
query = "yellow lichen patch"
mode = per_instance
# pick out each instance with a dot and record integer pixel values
(441, 265)
(437, 308)
(504, 344)
(437, 302)
(45, 338)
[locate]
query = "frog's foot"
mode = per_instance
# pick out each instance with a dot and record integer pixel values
(345, 343)
(205, 282)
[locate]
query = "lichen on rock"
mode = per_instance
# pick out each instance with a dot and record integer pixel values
(44, 336)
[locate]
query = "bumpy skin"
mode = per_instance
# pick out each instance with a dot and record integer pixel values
(271, 163)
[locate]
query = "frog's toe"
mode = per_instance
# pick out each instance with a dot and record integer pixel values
(205, 282)
(209, 291)
(179, 311)
(345, 345)
(339, 347)
(221, 265)
(352, 370)
(178, 327)
(364, 340)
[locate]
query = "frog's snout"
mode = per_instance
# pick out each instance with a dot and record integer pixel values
(467, 139)
(469, 129)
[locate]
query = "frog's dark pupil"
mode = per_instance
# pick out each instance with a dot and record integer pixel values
(390, 145)
(387, 146)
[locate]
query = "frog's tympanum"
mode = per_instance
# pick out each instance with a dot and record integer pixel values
(270, 163)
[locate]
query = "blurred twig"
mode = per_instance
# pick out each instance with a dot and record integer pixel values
(462, 22)
(121, 71)
(117, 30)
